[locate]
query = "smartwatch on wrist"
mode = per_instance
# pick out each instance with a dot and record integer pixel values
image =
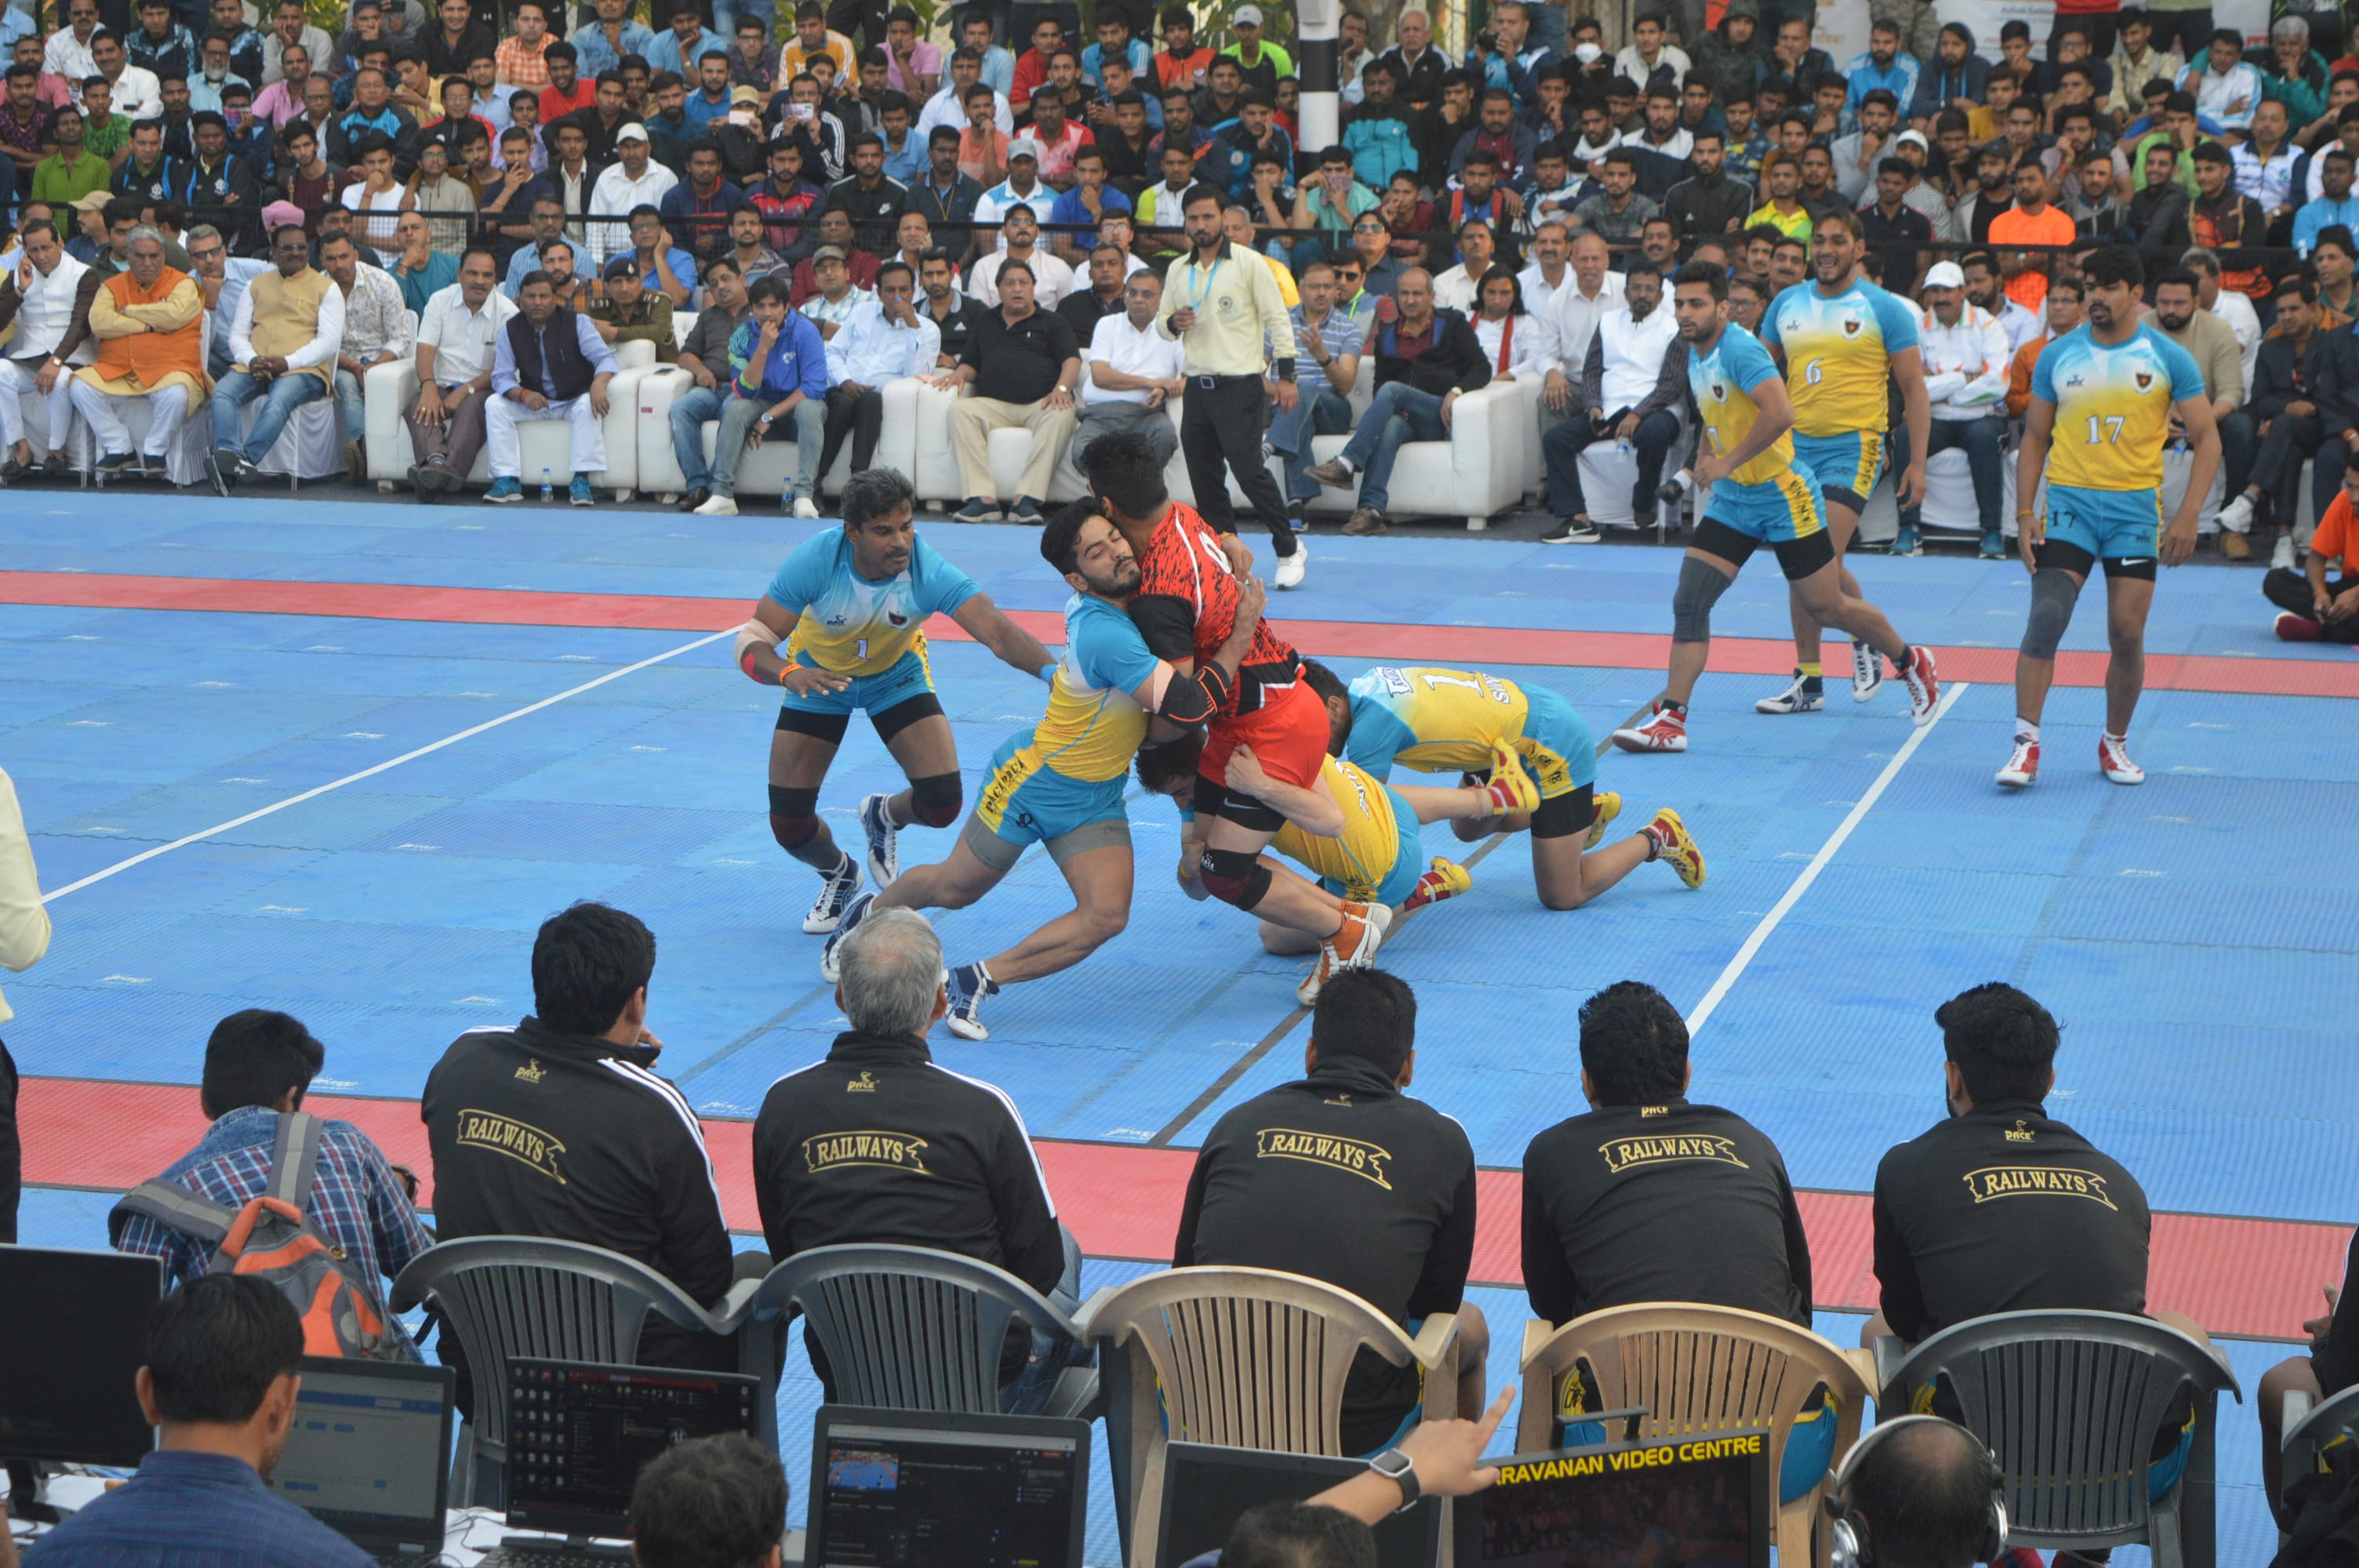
(1397, 1468)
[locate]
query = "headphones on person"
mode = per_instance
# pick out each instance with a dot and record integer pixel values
(1850, 1546)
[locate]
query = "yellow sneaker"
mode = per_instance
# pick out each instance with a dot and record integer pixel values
(1511, 789)
(1675, 848)
(1609, 806)
(1448, 879)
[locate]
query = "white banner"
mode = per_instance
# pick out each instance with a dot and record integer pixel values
(1847, 20)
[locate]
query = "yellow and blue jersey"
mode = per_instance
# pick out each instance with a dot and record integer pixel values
(1433, 720)
(1378, 841)
(1838, 354)
(2112, 407)
(1723, 382)
(1093, 725)
(854, 626)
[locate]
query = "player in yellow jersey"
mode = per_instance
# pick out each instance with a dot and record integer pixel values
(1760, 495)
(2102, 398)
(1843, 340)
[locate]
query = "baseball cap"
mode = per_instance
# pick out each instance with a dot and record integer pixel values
(1945, 274)
(827, 252)
(1912, 138)
(94, 202)
(1245, 17)
(740, 96)
(1024, 146)
(634, 131)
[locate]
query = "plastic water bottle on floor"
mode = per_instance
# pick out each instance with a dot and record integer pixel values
(546, 490)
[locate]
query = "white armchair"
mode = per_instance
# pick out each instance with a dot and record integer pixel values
(390, 390)
(1480, 470)
(768, 469)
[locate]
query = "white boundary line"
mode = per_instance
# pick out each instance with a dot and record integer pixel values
(1745, 954)
(145, 855)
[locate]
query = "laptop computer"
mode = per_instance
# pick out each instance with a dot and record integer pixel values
(579, 1434)
(369, 1453)
(1700, 1501)
(1206, 1488)
(890, 1487)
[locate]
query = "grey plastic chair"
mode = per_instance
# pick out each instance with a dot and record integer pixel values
(508, 1296)
(2309, 1427)
(2069, 1402)
(909, 1328)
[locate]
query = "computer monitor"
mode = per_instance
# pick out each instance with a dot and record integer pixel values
(579, 1434)
(1700, 1501)
(890, 1487)
(1206, 1488)
(369, 1453)
(73, 1331)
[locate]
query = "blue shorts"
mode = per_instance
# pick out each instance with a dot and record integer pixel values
(1409, 856)
(1025, 802)
(2110, 524)
(1776, 512)
(909, 676)
(1846, 464)
(1559, 753)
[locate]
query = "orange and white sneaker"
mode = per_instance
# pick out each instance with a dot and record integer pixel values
(1609, 806)
(1673, 846)
(1924, 686)
(1664, 729)
(1447, 879)
(2113, 759)
(1511, 789)
(1352, 948)
(2022, 766)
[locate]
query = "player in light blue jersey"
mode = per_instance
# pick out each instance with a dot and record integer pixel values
(850, 605)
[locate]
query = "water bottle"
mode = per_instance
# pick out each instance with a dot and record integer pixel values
(546, 490)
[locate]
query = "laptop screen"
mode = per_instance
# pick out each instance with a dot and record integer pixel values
(579, 1434)
(1206, 1488)
(369, 1453)
(981, 1491)
(1701, 1502)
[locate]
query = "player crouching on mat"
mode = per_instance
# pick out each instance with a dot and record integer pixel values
(1060, 782)
(1760, 495)
(2102, 401)
(851, 606)
(1437, 720)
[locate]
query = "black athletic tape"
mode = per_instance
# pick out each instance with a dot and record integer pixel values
(1234, 876)
(901, 714)
(827, 727)
(935, 799)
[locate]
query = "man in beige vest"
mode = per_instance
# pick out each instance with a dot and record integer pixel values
(282, 349)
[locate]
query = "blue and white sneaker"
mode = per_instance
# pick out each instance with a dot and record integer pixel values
(883, 849)
(830, 957)
(503, 491)
(835, 891)
(577, 492)
(969, 984)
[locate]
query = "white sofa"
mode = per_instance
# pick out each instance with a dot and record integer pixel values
(391, 390)
(768, 469)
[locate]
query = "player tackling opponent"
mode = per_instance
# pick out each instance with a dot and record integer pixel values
(1060, 782)
(850, 605)
(1842, 339)
(2102, 401)
(1759, 495)
(1443, 719)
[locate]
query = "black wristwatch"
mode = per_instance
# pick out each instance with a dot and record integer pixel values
(1398, 1468)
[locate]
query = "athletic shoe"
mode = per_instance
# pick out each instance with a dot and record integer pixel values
(830, 957)
(978, 509)
(1907, 543)
(220, 467)
(1609, 806)
(1448, 879)
(968, 985)
(1804, 694)
(577, 492)
(503, 491)
(2237, 517)
(2114, 762)
(1572, 531)
(1993, 547)
(2292, 628)
(2022, 766)
(1664, 730)
(1675, 847)
(1294, 518)
(835, 891)
(884, 852)
(1027, 512)
(1924, 686)
(1866, 672)
(804, 507)
(718, 506)
(1290, 569)
(1352, 948)
(2282, 557)
(1510, 789)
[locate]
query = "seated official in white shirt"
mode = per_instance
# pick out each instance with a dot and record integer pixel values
(458, 338)
(887, 339)
(1966, 355)
(1020, 239)
(1135, 373)
(39, 297)
(1455, 287)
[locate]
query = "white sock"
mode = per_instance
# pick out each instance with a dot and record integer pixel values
(1346, 464)
(2025, 729)
(2121, 740)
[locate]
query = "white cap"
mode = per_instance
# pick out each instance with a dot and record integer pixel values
(1913, 138)
(1245, 17)
(1944, 275)
(634, 131)
(1024, 146)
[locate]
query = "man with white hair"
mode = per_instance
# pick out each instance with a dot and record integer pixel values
(876, 1143)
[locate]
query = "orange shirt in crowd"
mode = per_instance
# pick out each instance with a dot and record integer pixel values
(2029, 288)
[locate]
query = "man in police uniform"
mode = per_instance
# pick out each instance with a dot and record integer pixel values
(1341, 1177)
(876, 1143)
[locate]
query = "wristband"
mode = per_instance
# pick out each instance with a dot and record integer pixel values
(1048, 673)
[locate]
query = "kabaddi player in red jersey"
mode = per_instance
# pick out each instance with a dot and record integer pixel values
(1186, 601)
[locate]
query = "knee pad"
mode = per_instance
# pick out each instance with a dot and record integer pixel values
(2052, 593)
(1234, 876)
(1699, 587)
(935, 799)
(794, 817)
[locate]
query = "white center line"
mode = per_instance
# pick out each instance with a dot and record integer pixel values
(100, 876)
(1745, 954)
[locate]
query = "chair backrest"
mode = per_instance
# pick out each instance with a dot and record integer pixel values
(2070, 1402)
(2308, 1431)
(907, 1327)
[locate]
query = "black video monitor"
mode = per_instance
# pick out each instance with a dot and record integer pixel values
(73, 1332)
(1697, 1502)
(1206, 1488)
(579, 1434)
(922, 1488)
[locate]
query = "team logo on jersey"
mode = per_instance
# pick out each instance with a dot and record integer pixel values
(2071, 381)
(1623, 1153)
(2037, 1181)
(1355, 1155)
(532, 1072)
(834, 1151)
(519, 1140)
(865, 1084)
(1394, 681)
(2018, 1133)
(1852, 324)
(1719, 393)
(2144, 379)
